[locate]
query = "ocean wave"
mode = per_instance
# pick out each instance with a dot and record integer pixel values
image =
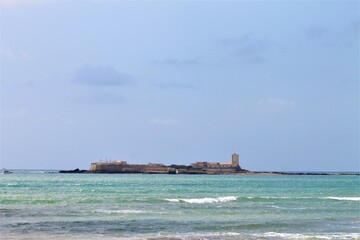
(307, 236)
(233, 198)
(187, 236)
(203, 200)
(272, 197)
(244, 236)
(118, 211)
(344, 198)
(297, 198)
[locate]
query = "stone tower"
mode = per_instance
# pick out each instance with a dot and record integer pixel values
(235, 162)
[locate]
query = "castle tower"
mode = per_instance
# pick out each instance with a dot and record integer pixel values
(235, 162)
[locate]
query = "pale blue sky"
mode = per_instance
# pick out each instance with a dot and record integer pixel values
(179, 82)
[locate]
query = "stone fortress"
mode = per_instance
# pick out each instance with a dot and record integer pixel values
(154, 168)
(235, 163)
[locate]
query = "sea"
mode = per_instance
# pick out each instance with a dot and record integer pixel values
(49, 205)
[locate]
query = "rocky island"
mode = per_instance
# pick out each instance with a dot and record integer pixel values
(119, 166)
(157, 168)
(231, 167)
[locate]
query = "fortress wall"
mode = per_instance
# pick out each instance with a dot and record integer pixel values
(128, 168)
(233, 164)
(220, 171)
(106, 167)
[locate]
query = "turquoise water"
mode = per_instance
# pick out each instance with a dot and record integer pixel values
(105, 206)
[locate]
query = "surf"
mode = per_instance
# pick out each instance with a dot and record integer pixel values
(204, 200)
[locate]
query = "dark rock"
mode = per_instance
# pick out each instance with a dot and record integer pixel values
(73, 171)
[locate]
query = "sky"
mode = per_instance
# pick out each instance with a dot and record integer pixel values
(180, 81)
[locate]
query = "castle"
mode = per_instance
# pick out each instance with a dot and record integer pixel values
(155, 168)
(234, 163)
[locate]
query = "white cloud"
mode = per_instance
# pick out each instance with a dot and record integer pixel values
(275, 105)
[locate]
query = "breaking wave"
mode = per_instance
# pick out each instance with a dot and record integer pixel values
(344, 198)
(306, 236)
(118, 211)
(233, 198)
(203, 200)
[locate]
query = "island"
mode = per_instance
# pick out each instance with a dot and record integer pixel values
(119, 166)
(232, 167)
(158, 168)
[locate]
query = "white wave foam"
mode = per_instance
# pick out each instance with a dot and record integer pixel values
(233, 198)
(172, 200)
(278, 197)
(334, 198)
(285, 235)
(344, 198)
(118, 211)
(235, 235)
(204, 200)
(306, 236)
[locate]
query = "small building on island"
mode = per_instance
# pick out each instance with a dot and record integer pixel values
(234, 163)
(220, 167)
(119, 166)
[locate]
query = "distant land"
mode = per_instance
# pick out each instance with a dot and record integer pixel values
(215, 168)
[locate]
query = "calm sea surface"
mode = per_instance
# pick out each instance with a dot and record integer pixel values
(104, 206)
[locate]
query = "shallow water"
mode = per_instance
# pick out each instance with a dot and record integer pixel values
(114, 206)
